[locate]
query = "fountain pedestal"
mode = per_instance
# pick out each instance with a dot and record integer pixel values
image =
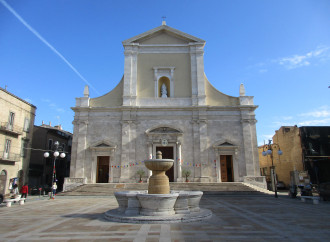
(159, 182)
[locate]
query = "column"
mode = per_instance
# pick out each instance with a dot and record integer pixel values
(218, 167)
(248, 157)
(130, 76)
(149, 157)
(125, 145)
(197, 74)
(179, 160)
(79, 152)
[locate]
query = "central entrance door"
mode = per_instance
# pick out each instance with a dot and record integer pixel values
(167, 153)
(102, 169)
(226, 166)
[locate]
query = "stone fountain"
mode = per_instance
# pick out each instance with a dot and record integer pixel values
(158, 204)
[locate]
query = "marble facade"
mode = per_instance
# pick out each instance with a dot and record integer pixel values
(195, 121)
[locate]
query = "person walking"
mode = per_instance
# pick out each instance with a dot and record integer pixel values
(24, 190)
(54, 188)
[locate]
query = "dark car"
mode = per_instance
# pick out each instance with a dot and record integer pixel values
(1, 198)
(281, 185)
(324, 189)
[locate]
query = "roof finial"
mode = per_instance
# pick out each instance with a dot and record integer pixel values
(164, 22)
(241, 90)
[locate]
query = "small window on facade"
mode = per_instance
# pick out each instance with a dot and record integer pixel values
(11, 120)
(7, 148)
(27, 125)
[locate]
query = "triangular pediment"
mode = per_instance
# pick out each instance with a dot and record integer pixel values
(163, 35)
(103, 144)
(226, 144)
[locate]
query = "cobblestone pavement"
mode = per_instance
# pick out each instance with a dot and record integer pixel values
(235, 218)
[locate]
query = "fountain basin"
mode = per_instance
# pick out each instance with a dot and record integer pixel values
(159, 165)
(157, 204)
(140, 207)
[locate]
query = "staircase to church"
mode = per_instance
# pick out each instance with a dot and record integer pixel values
(108, 189)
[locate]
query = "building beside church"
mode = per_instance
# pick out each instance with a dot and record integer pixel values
(16, 128)
(164, 102)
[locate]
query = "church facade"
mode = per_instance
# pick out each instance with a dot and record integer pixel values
(164, 102)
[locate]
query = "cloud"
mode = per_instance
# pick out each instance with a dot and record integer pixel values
(315, 122)
(321, 112)
(296, 61)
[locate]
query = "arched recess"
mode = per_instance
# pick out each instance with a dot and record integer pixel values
(3, 181)
(226, 160)
(102, 152)
(166, 81)
(164, 74)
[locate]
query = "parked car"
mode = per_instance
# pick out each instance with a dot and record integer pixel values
(40, 190)
(1, 198)
(281, 185)
(324, 189)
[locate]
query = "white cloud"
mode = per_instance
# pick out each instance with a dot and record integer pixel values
(321, 112)
(315, 122)
(296, 61)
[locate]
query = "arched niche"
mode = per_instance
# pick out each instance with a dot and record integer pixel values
(163, 74)
(164, 80)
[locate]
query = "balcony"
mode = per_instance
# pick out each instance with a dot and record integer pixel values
(9, 158)
(10, 129)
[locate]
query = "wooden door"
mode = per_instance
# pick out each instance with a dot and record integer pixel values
(102, 169)
(167, 153)
(226, 168)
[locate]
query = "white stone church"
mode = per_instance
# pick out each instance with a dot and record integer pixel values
(164, 102)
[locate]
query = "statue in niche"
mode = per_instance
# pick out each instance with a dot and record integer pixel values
(164, 91)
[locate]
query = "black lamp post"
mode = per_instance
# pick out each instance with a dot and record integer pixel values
(270, 153)
(56, 153)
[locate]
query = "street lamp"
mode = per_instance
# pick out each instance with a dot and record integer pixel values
(56, 154)
(269, 152)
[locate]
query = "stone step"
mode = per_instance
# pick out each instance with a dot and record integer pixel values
(108, 189)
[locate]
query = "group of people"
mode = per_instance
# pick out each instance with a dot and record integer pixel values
(25, 189)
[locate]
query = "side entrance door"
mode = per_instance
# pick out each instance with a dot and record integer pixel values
(226, 167)
(102, 169)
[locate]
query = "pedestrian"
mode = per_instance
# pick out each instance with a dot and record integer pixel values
(24, 190)
(54, 188)
(14, 191)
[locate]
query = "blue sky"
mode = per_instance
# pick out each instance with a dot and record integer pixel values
(280, 50)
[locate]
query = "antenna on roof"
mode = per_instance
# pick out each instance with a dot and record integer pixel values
(164, 22)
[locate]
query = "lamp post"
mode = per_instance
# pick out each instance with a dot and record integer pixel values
(270, 153)
(56, 153)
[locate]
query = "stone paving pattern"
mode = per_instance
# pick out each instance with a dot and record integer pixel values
(235, 218)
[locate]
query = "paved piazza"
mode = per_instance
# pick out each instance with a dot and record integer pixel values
(235, 218)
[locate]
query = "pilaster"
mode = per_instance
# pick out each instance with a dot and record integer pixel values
(130, 75)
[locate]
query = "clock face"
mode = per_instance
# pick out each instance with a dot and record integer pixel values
(164, 142)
